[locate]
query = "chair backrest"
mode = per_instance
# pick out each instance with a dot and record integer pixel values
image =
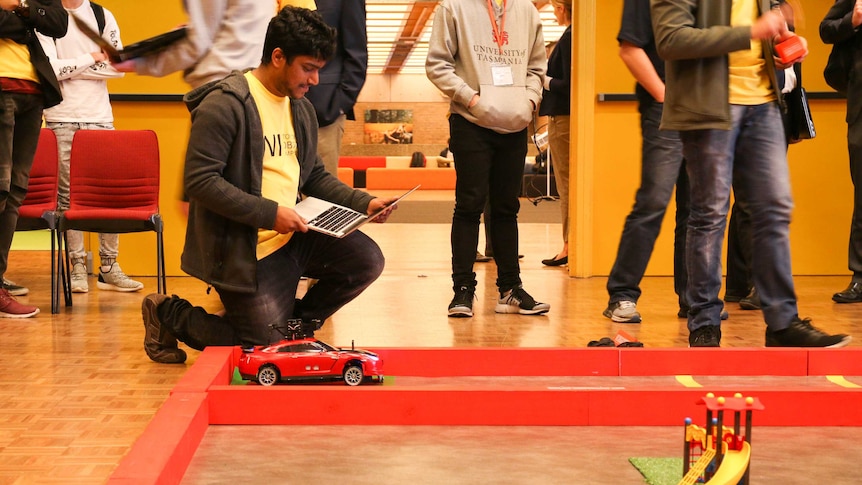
(42, 189)
(114, 169)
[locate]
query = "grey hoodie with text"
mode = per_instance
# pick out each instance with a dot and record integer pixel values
(462, 51)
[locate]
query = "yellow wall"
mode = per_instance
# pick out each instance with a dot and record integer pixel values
(822, 189)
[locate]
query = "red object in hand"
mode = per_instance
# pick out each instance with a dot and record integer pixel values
(790, 50)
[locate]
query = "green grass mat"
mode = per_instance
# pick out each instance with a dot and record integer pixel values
(659, 471)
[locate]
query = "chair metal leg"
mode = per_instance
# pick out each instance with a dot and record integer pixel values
(55, 290)
(66, 269)
(160, 262)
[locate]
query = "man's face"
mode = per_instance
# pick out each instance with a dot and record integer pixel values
(295, 77)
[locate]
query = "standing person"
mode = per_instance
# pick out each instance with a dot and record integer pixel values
(342, 78)
(252, 152)
(27, 86)
(556, 104)
(732, 132)
(842, 24)
(489, 58)
(223, 36)
(662, 168)
(738, 285)
(83, 70)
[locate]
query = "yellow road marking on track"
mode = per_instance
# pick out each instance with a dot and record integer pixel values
(842, 381)
(687, 381)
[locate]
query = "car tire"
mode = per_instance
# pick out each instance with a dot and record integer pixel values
(353, 375)
(268, 375)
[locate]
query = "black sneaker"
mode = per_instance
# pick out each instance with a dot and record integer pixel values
(462, 303)
(517, 300)
(751, 301)
(706, 336)
(801, 333)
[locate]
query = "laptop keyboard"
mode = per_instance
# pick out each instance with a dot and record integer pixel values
(335, 219)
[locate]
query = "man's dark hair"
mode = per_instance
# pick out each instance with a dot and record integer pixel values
(299, 32)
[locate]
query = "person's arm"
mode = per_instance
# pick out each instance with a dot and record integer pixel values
(354, 39)
(537, 64)
(213, 133)
(103, 69)
(86, 65)
(440, 63)
(47, 17)
(563, 49)
(641, 67)
(205, 19)
(841, 21)
(677, 37)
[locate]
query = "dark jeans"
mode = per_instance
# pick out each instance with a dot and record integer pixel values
(738, 281)
(20, 125)
(854, 147)
(489, 166)
(752, 157)
(344, 268)
(662, 168)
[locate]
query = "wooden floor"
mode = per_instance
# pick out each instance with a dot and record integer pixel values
(77, 389)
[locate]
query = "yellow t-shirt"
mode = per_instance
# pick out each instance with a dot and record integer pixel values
(280, 163)
(15, 61)
(749, 83)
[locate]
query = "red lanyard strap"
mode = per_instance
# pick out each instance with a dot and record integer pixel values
(498, 32)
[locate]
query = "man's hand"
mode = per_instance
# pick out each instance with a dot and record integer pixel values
(856, 19)
(769, 25)
(125, 66)
(9, 5)
(781, 38)
(473, 101)
(378, 203)
(287, 220)
(99, 56)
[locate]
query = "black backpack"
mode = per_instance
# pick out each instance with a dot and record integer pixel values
(99, 12)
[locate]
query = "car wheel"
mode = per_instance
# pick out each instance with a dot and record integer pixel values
(267, 375)
(353, 375)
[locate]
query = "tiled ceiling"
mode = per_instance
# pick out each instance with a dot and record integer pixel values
(398, 33)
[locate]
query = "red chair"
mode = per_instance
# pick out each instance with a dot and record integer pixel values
(39, 211)
(114, 187)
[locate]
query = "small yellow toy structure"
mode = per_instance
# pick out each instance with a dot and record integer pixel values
(719, 458)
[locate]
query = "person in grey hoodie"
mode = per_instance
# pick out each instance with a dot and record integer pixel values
(489, 58)
(252, 151)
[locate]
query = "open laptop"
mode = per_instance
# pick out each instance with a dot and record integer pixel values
(138, 49)
(337, 220)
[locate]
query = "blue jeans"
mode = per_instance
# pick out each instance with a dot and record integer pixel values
(20, 125)
(488, 165)
(344, 268)
(662, 168)
(755, 149)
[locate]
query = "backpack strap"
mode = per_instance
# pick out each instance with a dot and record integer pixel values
(99, 12)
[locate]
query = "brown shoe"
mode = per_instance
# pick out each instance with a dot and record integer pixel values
(159, 344)
(10, 308)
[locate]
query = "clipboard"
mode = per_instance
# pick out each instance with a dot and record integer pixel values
(131, 51)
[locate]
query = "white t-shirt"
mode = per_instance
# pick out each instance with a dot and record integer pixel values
(83, 81)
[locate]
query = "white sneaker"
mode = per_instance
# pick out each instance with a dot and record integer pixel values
(79, 276)
(517, 300)
(623, 311)
(115, 280)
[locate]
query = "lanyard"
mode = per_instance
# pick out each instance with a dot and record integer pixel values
(498, 32)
